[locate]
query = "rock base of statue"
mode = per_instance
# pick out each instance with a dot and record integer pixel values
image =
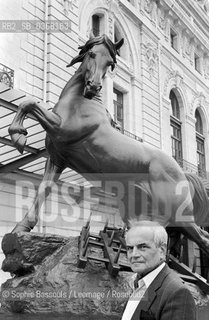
(47, 279)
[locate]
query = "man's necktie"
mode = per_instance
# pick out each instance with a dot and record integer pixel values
(138, 282)
(139, 291)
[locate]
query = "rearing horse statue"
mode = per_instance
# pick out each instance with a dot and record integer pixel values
(80, 136)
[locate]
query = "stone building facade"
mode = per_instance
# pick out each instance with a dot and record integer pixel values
(164, 58)
(160, 88)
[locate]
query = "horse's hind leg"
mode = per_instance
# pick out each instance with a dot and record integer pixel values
(52, 174)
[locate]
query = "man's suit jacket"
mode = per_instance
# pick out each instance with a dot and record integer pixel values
(167, 298)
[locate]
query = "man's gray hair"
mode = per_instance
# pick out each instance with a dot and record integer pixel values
(160, 234)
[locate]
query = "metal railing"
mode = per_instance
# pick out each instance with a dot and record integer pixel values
(185, 165)
(6, 75)
(125, 132)
(131, 135)
(189, 167)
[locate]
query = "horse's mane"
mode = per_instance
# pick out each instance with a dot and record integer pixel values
(92, 42)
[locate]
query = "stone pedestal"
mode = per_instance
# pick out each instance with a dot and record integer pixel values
(48, 279)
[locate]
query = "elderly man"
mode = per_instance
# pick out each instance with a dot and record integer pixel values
(161, 294)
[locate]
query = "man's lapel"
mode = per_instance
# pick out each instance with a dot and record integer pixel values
(149, 296)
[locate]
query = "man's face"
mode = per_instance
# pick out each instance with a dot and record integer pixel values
(142, 252)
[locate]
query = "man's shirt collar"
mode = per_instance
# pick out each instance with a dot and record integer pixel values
(152, 275)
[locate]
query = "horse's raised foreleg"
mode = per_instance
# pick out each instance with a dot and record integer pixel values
(17, 131)
(52, 174)
(49, 120)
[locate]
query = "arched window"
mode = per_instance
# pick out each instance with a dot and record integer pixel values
(174, 105)
(118, 108)
(200, 144)
(200, 140)
(176, 138)
(198, 124)
(96, 25)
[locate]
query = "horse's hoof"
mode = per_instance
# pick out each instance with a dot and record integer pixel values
(17, 129)
(19, 141)
(21, 227)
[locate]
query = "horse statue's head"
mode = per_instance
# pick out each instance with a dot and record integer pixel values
(96, 56)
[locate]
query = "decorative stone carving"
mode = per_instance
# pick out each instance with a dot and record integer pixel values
(204, 4)
(163, 21)
(198, 100)
(141, 5)
(148, 4)
(151, 57)
(150, 7)
(113, 6)
(154, 12)
(187, 46)
(177, 79)
(68, 6)
(206, 67)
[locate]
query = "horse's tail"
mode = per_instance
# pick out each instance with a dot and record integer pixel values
(200, 199)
